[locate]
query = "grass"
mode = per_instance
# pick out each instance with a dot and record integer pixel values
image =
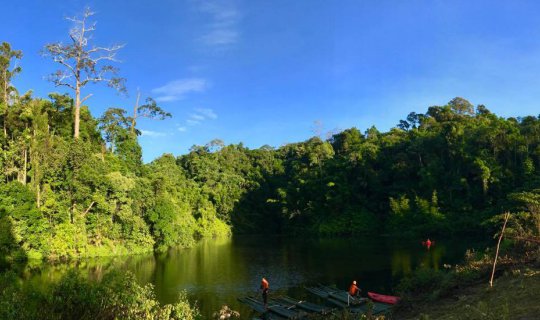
(515, 295)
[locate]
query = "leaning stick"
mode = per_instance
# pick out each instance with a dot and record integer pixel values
(506, 216)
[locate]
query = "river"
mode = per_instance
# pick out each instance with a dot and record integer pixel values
(217, 272)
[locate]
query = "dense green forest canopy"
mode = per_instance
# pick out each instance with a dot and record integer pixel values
(450, 169)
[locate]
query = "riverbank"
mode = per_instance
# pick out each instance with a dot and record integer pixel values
(463, 292)
(514, 295)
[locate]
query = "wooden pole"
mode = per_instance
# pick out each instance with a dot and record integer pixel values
(506, 216)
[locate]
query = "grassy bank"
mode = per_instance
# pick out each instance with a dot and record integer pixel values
(463, 293)
(513, 296)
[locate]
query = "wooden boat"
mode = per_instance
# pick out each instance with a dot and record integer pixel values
(279, 310)
(342, 299)
(336, 294)
(376, 307)
(305, 305)
(259, 307)
(383, 298)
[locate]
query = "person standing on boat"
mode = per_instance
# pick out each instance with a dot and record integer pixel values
(264, 287)
(354, 291)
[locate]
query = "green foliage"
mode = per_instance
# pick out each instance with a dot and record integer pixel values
(116, 296)
(420, 217)
(430, 282)
(24, 231)
(351, 223)
(168, 227)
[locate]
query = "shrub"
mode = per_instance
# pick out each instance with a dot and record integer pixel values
(117, 296)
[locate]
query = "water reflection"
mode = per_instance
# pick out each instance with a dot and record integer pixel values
(217, 272)
(401, 262)
(405, 259)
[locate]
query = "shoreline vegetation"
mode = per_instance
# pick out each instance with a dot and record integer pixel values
(74, 185)
(463, 291)
(116, 296)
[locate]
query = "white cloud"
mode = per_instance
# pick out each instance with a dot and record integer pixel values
(197, 117)
(166, 98)
(220, 37)
(208, 113)
(177, 89)
(222, 29)
(149, 133)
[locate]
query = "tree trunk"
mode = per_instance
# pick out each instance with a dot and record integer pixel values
(34, 160)
(77, 110)
(21, 172)
(135, 109)
(25, 166)
(72, 212)
(6, 103)
(38, 195)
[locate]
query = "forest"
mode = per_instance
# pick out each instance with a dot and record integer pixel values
(74, 184)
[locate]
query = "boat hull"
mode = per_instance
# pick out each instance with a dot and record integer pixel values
(383, 298)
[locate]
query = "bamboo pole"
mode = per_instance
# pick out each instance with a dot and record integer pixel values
(506, 216)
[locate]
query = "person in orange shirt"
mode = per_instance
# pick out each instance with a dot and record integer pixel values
(264, 287)
(354, 291)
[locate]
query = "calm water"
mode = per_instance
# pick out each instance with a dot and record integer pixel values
(217, 272)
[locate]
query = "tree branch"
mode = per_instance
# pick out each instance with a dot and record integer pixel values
(58, 83)
(89, 207)
(63, 62)
(84, 99)
(111, 49)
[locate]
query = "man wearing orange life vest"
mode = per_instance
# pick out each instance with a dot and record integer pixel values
(264, 287)
(354, 290)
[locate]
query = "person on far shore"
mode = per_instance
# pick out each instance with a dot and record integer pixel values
(264, 287)
(429, 243)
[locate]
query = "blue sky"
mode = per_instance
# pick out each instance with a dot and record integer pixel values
(262, 72)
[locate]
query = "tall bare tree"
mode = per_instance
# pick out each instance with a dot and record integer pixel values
(6, 73)
(82, 62)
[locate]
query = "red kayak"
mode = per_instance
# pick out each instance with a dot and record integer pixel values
(383, 298)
